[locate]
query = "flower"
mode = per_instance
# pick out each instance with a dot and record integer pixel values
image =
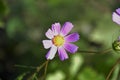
(60, 41)
(116, 16)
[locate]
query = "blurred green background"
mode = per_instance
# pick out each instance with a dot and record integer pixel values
(23, 24)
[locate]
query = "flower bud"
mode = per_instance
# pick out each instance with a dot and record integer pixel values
(116, 44)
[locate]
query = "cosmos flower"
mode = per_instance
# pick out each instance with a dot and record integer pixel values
(60, 41)
(116, 16)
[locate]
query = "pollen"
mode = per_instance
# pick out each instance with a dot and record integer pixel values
(58, 40)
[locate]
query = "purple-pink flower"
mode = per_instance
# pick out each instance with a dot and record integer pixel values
(60, 41)
(116, 16)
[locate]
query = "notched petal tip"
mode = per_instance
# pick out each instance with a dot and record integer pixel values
(49, 34)
(47, 43)
(71, 47)
(72, 37)
(63, 59)
(67, 27)
(69, 24)
(116, 18)
(56, 28)
(76, 49)
(62, 54)
(118, 10)
(51, 54)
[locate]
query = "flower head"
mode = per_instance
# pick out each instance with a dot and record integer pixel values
(60, 41)
(116, 16)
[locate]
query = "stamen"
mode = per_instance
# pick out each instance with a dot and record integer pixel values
(58, 40)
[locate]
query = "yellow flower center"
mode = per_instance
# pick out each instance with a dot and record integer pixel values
(58, 40)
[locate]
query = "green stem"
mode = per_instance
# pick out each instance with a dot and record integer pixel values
(46, 68)
(35, 76)
(23, 66)
(96, 52)
(40, 67)
(115, 73)
(44, 64)
(109, 74)
(37, 69)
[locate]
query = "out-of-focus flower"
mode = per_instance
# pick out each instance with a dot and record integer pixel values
(116, 16)
(60, 41)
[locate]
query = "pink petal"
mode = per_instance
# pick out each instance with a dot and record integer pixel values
(56, 28)
(51, 54)
(118, 11)
(66, 28)
(70, 47)
(72, 37)
(47, 43)
(116, 18)
(62, 53)
(49, 34)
